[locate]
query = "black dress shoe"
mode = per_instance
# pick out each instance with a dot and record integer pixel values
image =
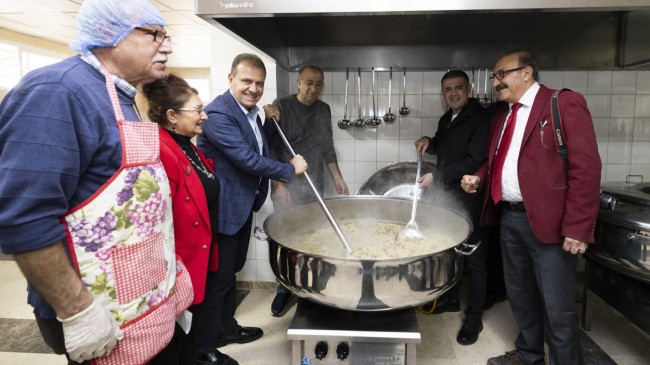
(215, 358)
(468, 333)
(240, 335)
(441, 305)
(280, 304)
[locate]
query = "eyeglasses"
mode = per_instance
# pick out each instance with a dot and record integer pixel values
(198, 110)
(499, 75)
(158, 36)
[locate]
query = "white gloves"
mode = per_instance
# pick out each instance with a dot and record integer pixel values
(91, 333)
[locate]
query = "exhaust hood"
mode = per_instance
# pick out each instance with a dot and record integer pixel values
(424, 34)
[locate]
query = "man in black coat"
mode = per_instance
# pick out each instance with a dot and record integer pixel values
(460, 144)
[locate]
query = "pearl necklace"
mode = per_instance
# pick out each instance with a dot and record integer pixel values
(202, 167)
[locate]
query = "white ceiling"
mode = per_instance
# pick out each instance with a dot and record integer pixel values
(54, 20)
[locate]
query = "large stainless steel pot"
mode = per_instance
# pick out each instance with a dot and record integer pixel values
(623, 230)
(395, 179)
(366, 284)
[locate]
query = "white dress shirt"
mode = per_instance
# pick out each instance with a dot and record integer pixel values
(510, 180)
(252, 120)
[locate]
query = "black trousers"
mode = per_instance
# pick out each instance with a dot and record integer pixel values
(477, 272)
(540, 282)
(232, 257)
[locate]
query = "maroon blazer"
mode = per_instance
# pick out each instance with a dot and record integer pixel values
(560, 201)
(192, 231)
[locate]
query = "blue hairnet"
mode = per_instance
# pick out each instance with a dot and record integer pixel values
(104, 23)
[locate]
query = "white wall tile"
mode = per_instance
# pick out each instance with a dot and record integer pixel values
(599, 82)
(431, 82)
(601, 127)
(387, 150)
(251, 253)
(264, 272)
(363, 169)
(602, 150)
(344, 149)
(407, 150)
(640, 152)
(261, 248)
(347, 171)
(410, 128)
(433, 106)
(552, 79)
(576, 81)
(619, 152)
(413, 82)
(389, 130)
(429, 126)
(365, 150)
(624, 82)
(643, 82)
(249, 272)
(599, 105)
(617, 172)
(621, 129)
(642, 169)
(642, 106)
(328, 87)
(622, 105)
(642, 129)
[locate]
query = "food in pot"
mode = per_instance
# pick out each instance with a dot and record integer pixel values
(373, 240)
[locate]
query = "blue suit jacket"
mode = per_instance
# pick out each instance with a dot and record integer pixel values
(243, 172)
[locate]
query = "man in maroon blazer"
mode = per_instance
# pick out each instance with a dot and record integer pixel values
(547, 207)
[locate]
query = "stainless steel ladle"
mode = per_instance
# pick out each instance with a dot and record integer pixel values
(373, 122)
(389, 117)
(345, 123)
(411, 230)
(404, 110)
(359, 124)
(330, 218)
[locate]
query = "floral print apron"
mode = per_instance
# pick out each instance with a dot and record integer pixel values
(121, 241)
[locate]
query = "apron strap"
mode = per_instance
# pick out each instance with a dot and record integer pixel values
(112, 93)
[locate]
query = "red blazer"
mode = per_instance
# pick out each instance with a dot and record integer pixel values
(560, 202)
(191, 221)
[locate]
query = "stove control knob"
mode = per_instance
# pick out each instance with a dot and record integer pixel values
(342, 350)
(321, 350)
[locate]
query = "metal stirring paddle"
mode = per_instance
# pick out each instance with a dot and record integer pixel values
(411, 230)
(335, 225)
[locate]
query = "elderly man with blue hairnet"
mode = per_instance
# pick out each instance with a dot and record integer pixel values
(86, 208)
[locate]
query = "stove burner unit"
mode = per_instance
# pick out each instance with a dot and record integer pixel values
(325, 335)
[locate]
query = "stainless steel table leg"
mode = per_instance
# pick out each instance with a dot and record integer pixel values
(296, 352)
(410, 354)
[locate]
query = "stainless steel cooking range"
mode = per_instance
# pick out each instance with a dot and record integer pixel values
(618, 265)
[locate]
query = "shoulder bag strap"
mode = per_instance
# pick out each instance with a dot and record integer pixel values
(557, 127)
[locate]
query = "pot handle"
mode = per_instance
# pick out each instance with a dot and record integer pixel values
(260, 234)
(637, 237)
(466, 249)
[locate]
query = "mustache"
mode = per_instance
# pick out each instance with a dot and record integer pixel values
(160, 58)
(501, 87)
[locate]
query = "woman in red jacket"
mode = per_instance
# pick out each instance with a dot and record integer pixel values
(177, 108)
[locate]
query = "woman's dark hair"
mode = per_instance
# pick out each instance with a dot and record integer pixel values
(171, 92)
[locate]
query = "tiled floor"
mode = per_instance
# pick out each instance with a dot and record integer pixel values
(621, 340)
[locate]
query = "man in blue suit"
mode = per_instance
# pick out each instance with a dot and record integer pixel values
(233, 137)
